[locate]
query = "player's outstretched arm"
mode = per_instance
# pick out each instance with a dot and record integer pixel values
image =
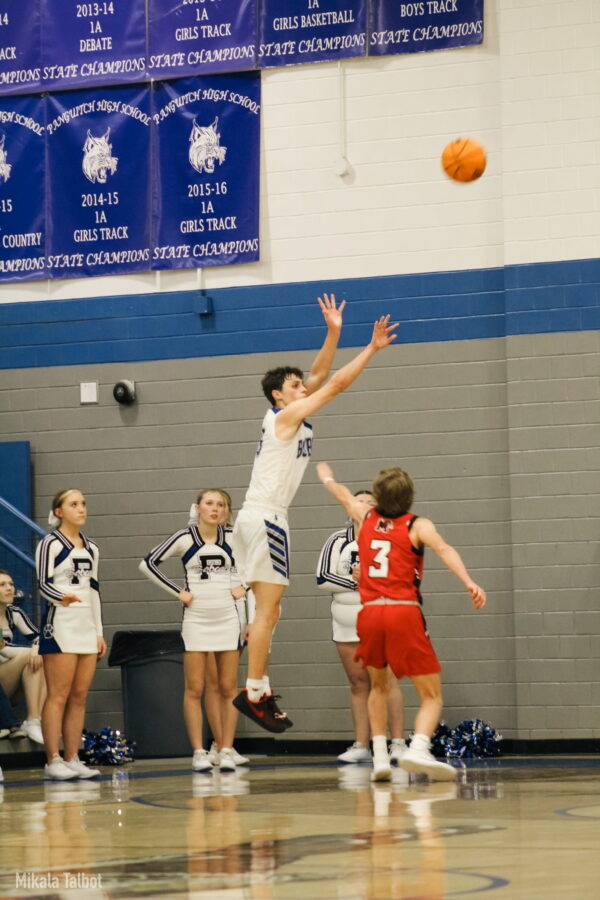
(425, 531)
(340, 492)
(321, 367)
(292, 415)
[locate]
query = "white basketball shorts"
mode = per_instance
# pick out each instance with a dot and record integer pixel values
(261, 546)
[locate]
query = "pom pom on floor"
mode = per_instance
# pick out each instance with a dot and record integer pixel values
(107, 748)
(472, 739)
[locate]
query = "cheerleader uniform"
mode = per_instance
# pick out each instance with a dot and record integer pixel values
(214, 620)
(65, 569)
(17, 618)
(334, 574)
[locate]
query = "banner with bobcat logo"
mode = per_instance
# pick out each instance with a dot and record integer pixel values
(206, 171)
(426, 25)
(22, 194)
(20, 56)
(305, 31)
(98, 181)
(200, 38)
(92, 42)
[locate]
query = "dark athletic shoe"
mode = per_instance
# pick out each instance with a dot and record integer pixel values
(260, 712)
(280, 716)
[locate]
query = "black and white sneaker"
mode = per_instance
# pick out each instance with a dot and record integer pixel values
(260, 712)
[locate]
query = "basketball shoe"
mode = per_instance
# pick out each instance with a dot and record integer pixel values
(262, 712)
(418, 758)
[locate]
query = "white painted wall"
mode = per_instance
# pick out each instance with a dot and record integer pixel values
(530, 94)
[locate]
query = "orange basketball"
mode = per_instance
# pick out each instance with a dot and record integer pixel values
(464, 159)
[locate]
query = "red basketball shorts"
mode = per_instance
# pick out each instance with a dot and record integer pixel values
(394, 635)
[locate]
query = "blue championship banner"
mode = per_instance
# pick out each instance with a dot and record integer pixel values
(206, 175)
(93, 42)
(197, 37)
(427, 25)
(20, 54)
(22, 189)
(98, 152)
(305, 31)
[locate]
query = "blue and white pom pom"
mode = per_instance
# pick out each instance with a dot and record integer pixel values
(473, 739)
(107, 748)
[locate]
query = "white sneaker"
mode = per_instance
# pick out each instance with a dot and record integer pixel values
(201, 762)
(80, 768)
(382, 770)
(238, 759)
(423, 761)
(4, 733)
(397, 750)
(355, 754)
(58, 770)
(227, 762)
(33, 730)
(213, 754)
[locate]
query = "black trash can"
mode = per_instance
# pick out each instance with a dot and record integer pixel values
(152, 683)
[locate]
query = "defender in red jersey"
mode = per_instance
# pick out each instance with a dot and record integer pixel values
(391, 626)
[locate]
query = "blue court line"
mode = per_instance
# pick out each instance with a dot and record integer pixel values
(532, 762)
(494, 882)
(535, 762)
(167, 773)
(569, 813)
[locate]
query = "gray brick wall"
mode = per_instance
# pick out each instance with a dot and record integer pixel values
(500, 438)
(554, 434)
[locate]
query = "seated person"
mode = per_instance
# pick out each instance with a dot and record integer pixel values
(20, 667)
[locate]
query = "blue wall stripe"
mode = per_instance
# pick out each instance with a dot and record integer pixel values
(436, 306)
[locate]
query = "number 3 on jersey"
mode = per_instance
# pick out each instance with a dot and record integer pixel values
(381, 563)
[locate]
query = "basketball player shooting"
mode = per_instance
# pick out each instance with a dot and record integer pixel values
(261, 534)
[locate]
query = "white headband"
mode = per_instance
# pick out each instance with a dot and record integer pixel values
(193, 519)
(53, 521)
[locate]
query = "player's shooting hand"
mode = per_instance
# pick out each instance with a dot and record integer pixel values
(69, 598)
(186, 597)
(383, 333)
(331, 313)
(477, 595)
(324, 471)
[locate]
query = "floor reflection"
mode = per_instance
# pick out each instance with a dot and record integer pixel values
(302, 830)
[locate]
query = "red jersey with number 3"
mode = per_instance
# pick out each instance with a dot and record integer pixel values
(390, 566)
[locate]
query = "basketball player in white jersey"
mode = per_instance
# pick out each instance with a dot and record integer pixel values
(261, 535)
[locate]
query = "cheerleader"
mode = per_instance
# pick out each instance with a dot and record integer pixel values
(214, 619)
(338, 573)
(20, 667)
(71, 641)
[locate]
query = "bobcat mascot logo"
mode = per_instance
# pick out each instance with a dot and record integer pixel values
(205, 147)
(4, 166)
(98, 160)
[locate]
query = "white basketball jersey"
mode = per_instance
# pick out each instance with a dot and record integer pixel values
(278, 465)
